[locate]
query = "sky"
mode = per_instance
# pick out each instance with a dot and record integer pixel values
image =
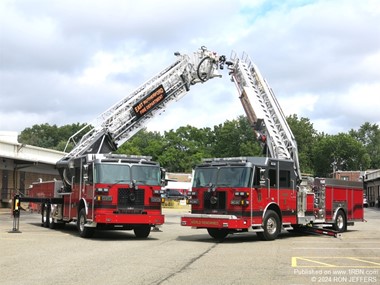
(68, 61)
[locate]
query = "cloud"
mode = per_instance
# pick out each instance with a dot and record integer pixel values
(64, 62)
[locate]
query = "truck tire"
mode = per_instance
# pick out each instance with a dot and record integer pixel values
(271, 225)
(142, 231)
(84, 232)
(340, 224)
(218, 234)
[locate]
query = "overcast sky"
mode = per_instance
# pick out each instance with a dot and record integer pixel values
(67, 61)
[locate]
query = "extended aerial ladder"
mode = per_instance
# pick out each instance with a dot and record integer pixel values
(267, 119)
(120, 122)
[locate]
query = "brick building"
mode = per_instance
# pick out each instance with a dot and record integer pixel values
(349, 175)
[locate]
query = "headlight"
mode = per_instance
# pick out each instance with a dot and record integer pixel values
(102, 190)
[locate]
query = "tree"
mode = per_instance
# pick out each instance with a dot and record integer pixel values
(305, 136)
(179, 150)
(48, 136)
(235, 138)
(369, 135)
(338, 152)
(143, 143)
(185, 148)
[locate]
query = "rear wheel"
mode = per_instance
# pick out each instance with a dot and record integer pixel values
(272, 226)
(84, 232)
(219, 234)
(142, 231)
(340, 224)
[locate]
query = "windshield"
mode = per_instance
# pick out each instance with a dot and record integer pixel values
(114, 173)
(222, 176)
(146, 175)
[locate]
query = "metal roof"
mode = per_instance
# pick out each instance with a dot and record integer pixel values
(28, 153)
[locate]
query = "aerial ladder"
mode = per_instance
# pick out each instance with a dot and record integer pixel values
(121, 121)
(266, 118)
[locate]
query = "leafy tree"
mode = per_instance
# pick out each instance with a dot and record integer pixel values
(338, 152)
(305, 136)
(235, 138)
(369, 136)
(144, 143)
(185, 147)
(47, 136)
(179, 150)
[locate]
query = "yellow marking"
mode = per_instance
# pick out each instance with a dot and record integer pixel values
(361, 260)
(314, 261)
(295, 260)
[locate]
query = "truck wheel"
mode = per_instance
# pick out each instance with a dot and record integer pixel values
(45, 212)
(218, 234)
(272, 226)
(340, 224)
(84, 232)
(142, 231)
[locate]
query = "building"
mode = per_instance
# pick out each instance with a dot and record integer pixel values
(372, 187)
(349, 175)
(180, 182)
(21, 165)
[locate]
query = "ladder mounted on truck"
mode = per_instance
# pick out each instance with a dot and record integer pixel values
(268, 120)
(120, 122)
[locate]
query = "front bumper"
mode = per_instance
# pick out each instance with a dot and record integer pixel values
(214, 221)
(129, 219)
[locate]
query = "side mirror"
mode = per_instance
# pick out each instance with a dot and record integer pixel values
(263, 181)
(164, 182)
(85, 173)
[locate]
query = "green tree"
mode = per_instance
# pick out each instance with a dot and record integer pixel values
(338, 152)
(144, 143)
(185, 147)
(235, 138)
(305, 136)
(49, 136)
(369, 135)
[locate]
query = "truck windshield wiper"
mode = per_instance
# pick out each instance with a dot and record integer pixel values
(117, 182)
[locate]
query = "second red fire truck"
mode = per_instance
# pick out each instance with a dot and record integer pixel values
(258, 194)
(267, 194)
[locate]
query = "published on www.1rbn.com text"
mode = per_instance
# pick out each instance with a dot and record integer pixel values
(358, 276)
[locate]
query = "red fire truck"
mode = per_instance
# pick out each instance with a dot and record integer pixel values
(101, 190)
(259, 194)
(267, 194)
(107, 192)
